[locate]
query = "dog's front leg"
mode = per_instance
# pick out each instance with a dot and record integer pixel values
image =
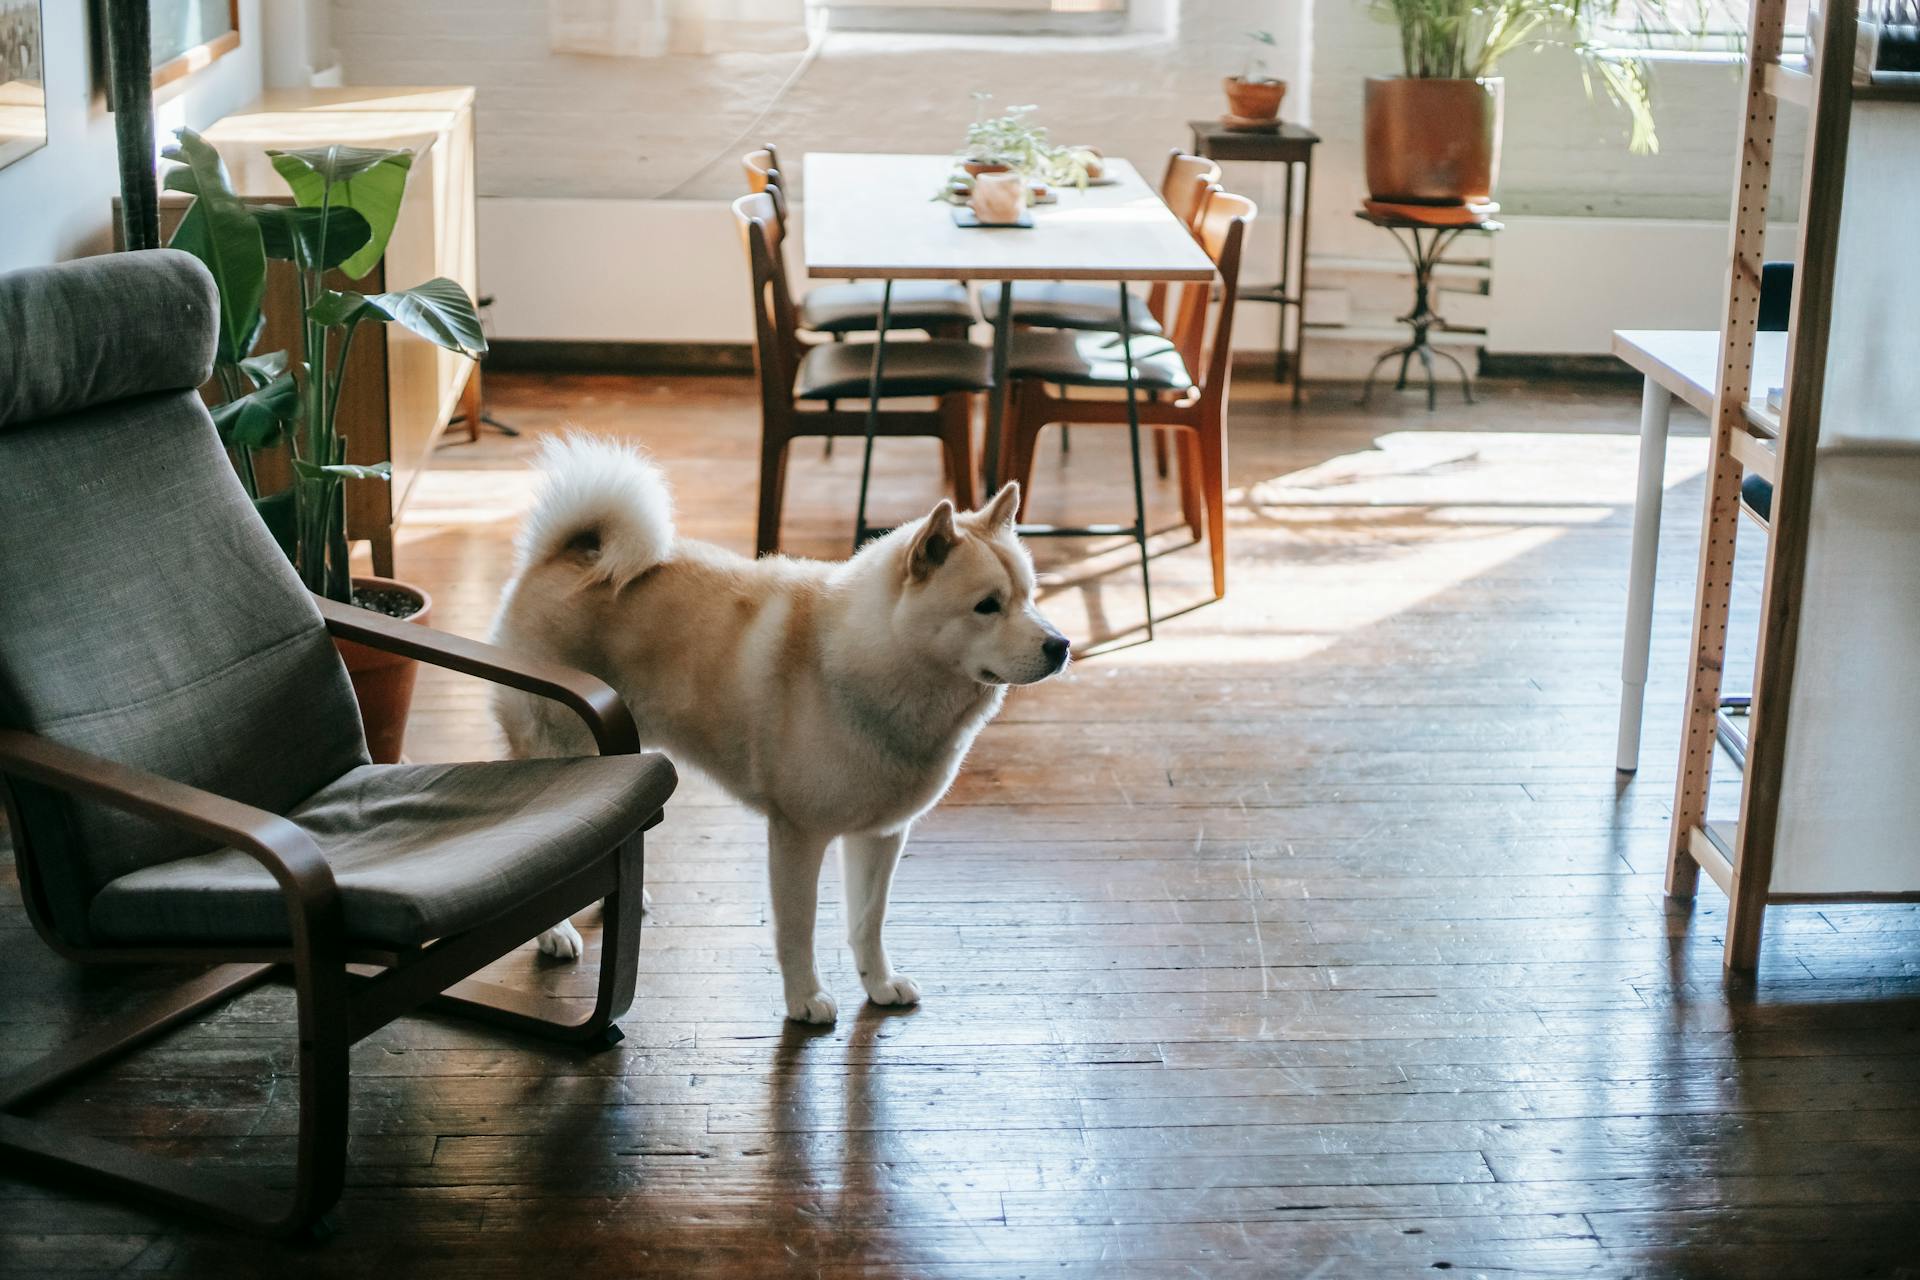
(793, 873)
(867, 864)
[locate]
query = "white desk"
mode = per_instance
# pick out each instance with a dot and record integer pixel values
(1684, 363)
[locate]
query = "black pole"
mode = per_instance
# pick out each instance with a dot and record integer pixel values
(130, 98)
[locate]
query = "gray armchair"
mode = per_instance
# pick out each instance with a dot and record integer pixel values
(182, 760)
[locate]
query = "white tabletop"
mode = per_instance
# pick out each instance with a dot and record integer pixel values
(873, 217)
(1687, 361)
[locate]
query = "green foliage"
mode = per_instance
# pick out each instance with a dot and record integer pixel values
(346, 202)
(1013, 140)
(1257, 71)
(1466, 40)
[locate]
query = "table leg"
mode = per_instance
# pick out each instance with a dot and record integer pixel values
(997, 395)
(1280, 365)
(1300, 281)
(1133, 431)
(873, 411)
(1656, 408)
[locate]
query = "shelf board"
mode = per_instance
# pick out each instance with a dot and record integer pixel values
(1787, 84)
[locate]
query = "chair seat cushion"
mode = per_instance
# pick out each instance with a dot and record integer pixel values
(1066, 304)
(844, 370)
(855, 307)
(419, 851)
(1094, 360)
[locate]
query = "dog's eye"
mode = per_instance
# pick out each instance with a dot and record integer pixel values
(990, 605)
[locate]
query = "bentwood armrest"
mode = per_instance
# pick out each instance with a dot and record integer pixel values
(588, 697)
(269, 839)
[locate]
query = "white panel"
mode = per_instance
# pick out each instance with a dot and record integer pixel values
(1561, 286)
(1849, 808)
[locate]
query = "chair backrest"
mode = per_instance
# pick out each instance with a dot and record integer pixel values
(776, 327)
(146, 615)
(1185, 185)
(1221, 229)
(760, 166)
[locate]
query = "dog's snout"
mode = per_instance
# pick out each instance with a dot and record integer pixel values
(1055, 647)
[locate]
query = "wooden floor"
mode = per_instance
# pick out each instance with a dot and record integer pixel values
(1316, 938)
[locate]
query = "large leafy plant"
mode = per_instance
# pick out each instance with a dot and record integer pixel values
(346, 201)
(1014, 140)
(1466, 39)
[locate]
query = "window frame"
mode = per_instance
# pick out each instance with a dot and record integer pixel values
(976, 17)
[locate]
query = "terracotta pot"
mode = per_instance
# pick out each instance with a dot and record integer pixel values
(1433, 141)
(1255, 99)
(382, 681)
(978, 167)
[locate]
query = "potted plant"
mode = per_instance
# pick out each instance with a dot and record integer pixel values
(345, 203)
(1433, 133)
(1254, 96)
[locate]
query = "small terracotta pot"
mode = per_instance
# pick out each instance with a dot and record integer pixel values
(382, 681)
(1254, 99)
(978, 167)
(1433, 141)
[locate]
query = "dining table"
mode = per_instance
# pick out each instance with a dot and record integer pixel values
(871, 216)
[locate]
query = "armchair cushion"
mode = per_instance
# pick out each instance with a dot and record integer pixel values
(419, 852)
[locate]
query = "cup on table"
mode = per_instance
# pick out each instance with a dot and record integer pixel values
(998, 197)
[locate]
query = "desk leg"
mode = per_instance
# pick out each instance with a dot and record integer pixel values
(997, 395)
(1298, 362)
(1133, 431)
(1656, 408)
(860, 529)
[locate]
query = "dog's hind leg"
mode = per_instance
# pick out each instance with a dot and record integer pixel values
(793, 873)
(867, 864)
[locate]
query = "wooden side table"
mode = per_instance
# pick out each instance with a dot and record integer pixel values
(1443, 226)
(1292, 146)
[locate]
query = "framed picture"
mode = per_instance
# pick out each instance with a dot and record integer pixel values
(23, 98)
(190, 34)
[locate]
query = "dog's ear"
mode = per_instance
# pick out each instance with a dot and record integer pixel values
(998, 516)
(934, 543)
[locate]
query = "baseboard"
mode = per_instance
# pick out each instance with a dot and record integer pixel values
(1598, 368)
(545, 355)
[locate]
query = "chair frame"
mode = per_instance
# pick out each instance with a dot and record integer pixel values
(1199, 415)
(344, 992)
(778, 351)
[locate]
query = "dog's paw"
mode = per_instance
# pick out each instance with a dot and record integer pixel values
(818, 1009)
(895, 989)
(562, 942)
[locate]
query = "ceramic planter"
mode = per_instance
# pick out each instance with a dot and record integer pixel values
(382, 681)
(1433, 141)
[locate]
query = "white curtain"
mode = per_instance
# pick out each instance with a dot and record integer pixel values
(657, 28)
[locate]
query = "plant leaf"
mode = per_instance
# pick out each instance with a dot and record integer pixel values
(343, 470)
(254, 420)
(439, 311)
(338, 307)
(280, 227)
(220, 232)
(368, 181)
(262, 369)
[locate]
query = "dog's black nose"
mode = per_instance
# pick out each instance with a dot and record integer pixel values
(1055, 647)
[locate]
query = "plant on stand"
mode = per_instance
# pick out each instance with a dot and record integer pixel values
(1433, 133)
(1254, 96)
(346, 201)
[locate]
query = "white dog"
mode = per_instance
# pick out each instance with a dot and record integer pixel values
(837, 699)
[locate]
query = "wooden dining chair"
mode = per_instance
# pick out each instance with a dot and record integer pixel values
(938, 308)
(794, 373)
(1170, 395)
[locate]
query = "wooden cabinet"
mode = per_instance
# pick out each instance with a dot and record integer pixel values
(401, 391)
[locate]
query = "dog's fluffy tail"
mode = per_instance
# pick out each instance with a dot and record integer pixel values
(604, 503)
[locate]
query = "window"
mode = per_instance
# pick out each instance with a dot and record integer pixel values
(1715, 31)
(977, 17)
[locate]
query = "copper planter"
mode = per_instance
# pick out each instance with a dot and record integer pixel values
(383, 681)
(1433, 141)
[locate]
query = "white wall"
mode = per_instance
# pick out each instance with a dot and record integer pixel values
(58, 202)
